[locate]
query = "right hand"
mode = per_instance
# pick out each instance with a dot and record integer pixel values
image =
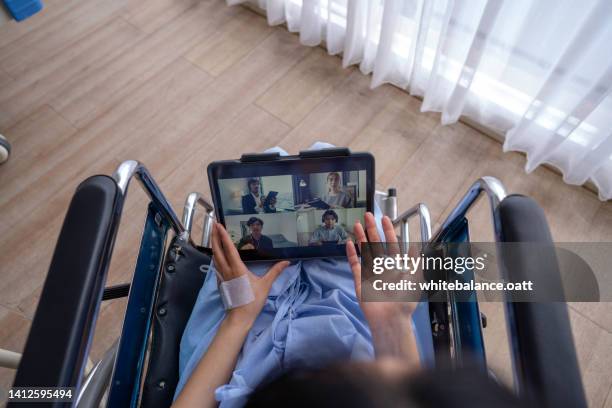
(389, 322)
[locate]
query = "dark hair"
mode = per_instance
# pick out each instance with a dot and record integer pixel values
(253, 220)
(327, 213)
(251, 181)
(362, 385)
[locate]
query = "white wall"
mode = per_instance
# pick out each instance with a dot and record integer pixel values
(362, 188)
(283, 185)
(232, 191)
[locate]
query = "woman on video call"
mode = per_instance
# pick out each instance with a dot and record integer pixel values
(335, 197)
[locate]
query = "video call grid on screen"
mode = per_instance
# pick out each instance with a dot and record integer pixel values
(288, 211)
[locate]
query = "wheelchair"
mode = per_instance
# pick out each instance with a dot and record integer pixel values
(141, 368)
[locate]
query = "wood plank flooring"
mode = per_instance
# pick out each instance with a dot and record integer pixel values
(176, 84)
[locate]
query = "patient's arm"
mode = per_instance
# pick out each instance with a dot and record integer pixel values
(390, 322)
(217, 364)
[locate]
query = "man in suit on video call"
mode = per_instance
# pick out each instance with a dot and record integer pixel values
(254, 202)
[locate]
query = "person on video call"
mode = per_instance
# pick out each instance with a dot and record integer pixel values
(255, 240)
(329, 232)
(335, 197)
(254, 202)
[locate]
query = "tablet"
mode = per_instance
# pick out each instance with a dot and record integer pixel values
(292, 207)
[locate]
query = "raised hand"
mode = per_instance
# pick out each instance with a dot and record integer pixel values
(230, 266)
(219, 361)
(390, 322)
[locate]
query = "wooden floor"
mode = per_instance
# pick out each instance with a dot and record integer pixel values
(176, 84)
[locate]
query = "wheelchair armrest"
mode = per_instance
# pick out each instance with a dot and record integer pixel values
(58, 342)
(541, 334)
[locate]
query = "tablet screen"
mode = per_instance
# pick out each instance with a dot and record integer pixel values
(292, 208)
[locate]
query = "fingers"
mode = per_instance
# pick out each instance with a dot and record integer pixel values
(275, 271)
(353, 259)
(359, 232)
(371, 230)
(377, 249)
(391, 247)
(229, 250)
(218, 255)
(390, 236)
(388, 229)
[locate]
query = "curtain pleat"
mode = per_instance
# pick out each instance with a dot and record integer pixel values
(539, 72)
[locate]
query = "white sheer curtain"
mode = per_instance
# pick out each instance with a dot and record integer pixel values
(537, 71)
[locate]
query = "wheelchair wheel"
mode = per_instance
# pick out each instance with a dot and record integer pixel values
(5, 149)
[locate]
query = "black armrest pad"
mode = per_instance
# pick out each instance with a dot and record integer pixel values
(57, 344)
(543, 333)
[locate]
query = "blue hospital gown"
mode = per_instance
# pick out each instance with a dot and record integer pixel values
(311, 318)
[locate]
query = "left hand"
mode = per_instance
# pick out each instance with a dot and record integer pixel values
(230, 266)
